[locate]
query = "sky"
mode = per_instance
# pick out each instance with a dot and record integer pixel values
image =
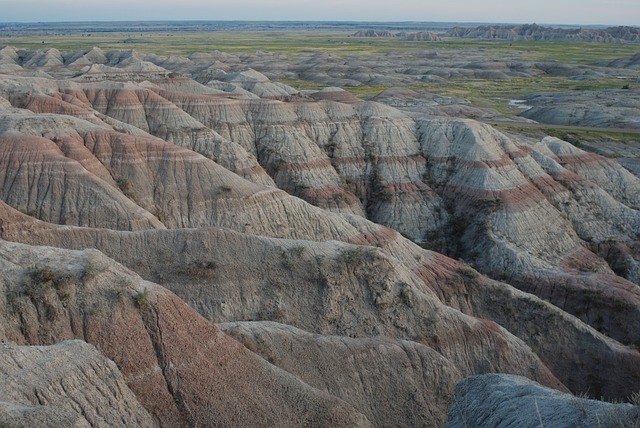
(582, 12)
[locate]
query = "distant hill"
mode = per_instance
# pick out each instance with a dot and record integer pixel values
(421, 36)
(538, 32)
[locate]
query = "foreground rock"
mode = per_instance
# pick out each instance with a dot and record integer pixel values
(332, 288)
(66, 384)
(181, 368)
(176, 179)
(360, 371)
(457, 186)
(507, 401)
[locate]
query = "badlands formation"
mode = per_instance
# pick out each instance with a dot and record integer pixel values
(187, 242)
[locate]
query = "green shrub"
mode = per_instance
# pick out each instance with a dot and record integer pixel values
(125, 187)
(351, 255)
(142, 298)
(467, 272)
(39, 280)
(42, 275)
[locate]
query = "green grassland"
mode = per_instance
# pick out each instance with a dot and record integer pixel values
(479, 92)
(298, 41)
(573, 134)
(496, 94)
(239, 42)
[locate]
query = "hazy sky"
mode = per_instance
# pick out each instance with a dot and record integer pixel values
(613, 12)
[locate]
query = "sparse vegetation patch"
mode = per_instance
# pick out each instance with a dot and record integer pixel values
(142, 299)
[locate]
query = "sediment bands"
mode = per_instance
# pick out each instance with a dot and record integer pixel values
(218, 248)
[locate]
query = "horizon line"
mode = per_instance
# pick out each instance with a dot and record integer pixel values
(311, 21)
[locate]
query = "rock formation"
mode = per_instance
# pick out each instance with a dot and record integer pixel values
(373, 33)
(182, 368)
(503, 401)
(66, 384)
(152, 197)
(420, 36)
(616, 108)
(360, 371)
(423, 36)
(632, 62)
(538, 32)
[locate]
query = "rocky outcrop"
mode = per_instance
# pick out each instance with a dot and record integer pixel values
(563, 342)
(257, 209)
(538, 32)
(506, 184)
(330, 288)
(70, 384)
(71, 189)
(631, 62)
(616, 108)
(502, 401)
(373, 33)
(420, 36)
(256, 83)
(359, 158)
(362, 372)
(423, 36)
(335, 94)
(182, 368)
(258, 73)
(89, 57)
(248, 75)
(319, 288)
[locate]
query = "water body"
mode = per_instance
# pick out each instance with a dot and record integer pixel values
(519, 104)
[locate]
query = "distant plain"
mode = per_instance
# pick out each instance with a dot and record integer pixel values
(303, 39)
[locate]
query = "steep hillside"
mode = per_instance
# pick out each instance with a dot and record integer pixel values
(455, 186)
(519, 402)
(66, 384)
(337, 289)
(246, 254)
(182, 368)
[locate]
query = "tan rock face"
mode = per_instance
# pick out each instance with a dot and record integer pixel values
(61, 189)
(69, 382)
(517, 401)
(359, 291)
(317, 287)
(182, 368)
(254, 209)
(360, 371)
(168, 361)
(329, 288)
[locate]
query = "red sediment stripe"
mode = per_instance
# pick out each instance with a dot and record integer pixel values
(505, 160)
(329, 197)
(349, 161)
(56, 104)
(417, 158)
(523, 197)
(407, 187)
(380, 236)
(304, 166)
(254, 170)
(582, 259)
(25, 143)
(105, 142)
(546, 183)
(585, 158)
